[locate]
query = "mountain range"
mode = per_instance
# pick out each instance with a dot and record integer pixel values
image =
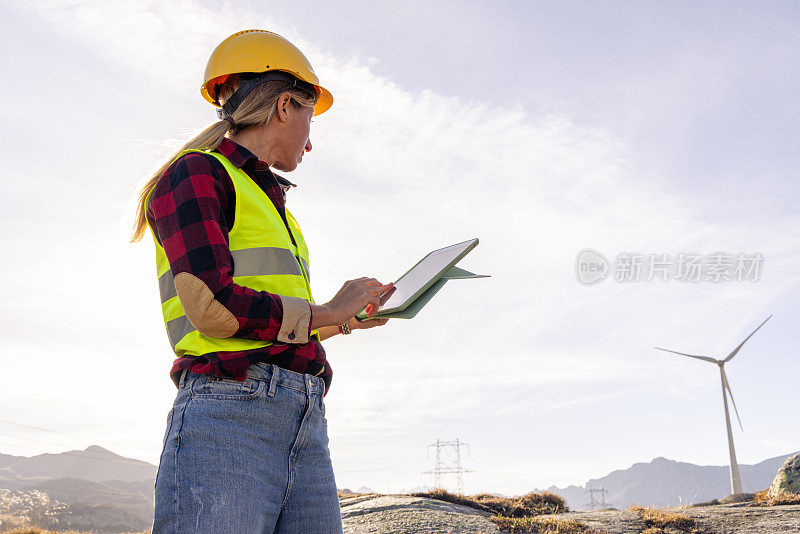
(94, 463)
(663, 482)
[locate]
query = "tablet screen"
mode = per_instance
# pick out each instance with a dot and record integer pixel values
(422, 273)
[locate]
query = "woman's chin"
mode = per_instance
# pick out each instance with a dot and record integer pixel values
(285, 168)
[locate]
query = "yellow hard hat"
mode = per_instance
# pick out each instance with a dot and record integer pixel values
(260, 51)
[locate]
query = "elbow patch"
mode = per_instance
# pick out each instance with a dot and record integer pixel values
(211, 318)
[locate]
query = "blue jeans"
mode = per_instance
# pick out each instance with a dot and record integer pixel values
(252, 456)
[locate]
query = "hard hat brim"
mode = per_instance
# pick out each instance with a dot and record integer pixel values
(324, 100)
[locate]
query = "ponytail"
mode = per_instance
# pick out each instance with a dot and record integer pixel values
(257, 108)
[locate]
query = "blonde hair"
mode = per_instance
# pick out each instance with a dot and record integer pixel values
(256, 109)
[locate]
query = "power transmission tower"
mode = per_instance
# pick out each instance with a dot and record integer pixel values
(448, 460)
(594, 502)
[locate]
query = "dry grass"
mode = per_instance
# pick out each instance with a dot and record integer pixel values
(349, 494)
(540, 525)
(657, 520)
(528, 505)
(444, 495)
(531, 503)
(517, 514)
(762, 499)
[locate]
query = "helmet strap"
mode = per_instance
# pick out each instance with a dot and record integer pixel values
(250, 81)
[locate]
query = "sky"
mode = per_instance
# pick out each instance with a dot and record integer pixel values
(542, 128)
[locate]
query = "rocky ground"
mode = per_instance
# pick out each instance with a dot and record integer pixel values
(23, 508)
(740, 518)
(403, 514)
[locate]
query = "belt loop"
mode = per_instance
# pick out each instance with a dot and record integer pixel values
(183, 378)
(273, 381)
(310, 384)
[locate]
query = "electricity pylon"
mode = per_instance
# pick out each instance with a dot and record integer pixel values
(447, 466)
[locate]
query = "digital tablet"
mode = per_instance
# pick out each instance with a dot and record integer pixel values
(422, 276)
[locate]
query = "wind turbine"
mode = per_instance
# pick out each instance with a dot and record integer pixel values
(736, 479)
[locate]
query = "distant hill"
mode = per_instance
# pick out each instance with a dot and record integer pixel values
(94, 463)
(664, 482)
(90, 490)
(7, 459)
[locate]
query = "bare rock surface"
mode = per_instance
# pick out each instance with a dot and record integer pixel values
(739, 518)
(788, 478)
(404, 514)
(744, 519)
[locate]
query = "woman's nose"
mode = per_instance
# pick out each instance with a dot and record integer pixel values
(308, 145)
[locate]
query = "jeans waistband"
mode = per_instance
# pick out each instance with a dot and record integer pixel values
(277, 376)
(284, 377)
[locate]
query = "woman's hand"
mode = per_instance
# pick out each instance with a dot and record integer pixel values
(353, 297)
(355, 324)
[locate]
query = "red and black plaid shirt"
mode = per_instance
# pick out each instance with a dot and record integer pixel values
(192, 210)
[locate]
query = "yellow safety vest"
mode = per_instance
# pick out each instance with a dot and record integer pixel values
(264, 259)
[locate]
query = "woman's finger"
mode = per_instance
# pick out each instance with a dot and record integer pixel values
(386, 295)
(372, 307)
(380, 290)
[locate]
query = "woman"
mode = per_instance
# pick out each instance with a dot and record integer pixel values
(245, 448)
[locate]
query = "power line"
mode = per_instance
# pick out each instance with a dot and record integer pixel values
(397, 467)
(90, 455)
(150, 450)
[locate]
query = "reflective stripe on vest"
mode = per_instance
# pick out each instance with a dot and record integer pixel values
(264, 259)
(246, 262)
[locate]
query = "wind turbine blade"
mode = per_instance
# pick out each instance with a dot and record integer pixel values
(706, 358)
(728, 387)
(732, 354)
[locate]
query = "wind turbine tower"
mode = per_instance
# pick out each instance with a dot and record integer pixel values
(736, 479)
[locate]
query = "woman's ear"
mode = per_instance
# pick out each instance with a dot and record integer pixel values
(282, 109)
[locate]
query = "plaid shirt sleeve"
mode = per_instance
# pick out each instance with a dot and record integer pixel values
(189, 210)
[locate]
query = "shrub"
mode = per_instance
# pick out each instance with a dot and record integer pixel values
(764, 499)
(661, 519)
(528, 505)
(540, 525)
